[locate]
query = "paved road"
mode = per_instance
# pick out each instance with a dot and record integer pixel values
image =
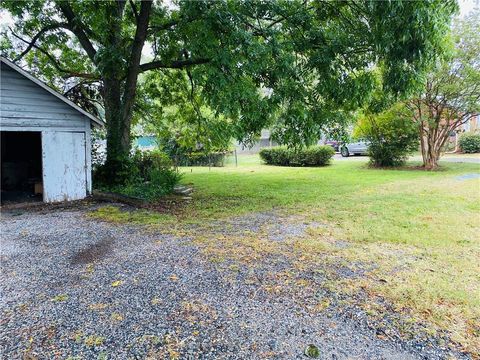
(446, 158)
(460, 159)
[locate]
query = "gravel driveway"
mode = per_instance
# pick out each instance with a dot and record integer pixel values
(74, 287)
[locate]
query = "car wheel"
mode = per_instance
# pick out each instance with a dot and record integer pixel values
(344, 152)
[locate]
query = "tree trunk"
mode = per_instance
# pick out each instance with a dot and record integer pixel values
(431, 159)
(119, 98)
(118, 133)
(432, 142)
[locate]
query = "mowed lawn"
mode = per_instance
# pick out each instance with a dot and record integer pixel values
(421, 228)
(417, 231)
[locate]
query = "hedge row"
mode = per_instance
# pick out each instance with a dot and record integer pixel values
(470, 143)
(283, 156)
(216, 159)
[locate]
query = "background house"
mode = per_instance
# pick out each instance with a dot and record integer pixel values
(263, 142)
(471, 126)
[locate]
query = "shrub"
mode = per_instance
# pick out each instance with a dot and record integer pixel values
(197, 155)
(147, 160)
(311, 156)
(278, 155)
(147, 175)
(470, 143)
(216, 158)
(392, 136)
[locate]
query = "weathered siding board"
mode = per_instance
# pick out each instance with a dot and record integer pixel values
(10, 105)
(88, 155)
(30, 118)
(25, 103)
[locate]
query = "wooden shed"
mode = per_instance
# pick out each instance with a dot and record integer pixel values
(45, 141)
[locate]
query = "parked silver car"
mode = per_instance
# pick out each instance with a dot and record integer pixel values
(354, 148)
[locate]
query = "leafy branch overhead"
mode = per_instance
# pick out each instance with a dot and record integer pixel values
(308, 63)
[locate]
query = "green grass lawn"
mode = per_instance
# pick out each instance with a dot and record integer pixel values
(419, 228)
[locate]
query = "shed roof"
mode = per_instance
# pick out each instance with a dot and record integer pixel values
(96, 121)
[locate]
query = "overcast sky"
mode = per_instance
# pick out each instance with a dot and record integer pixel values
(467, 5)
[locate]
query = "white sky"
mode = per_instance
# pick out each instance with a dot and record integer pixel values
(467, 5)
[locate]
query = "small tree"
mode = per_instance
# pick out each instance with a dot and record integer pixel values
(391, 135)
(451, 96)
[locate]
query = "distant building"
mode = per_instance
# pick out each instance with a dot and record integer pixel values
(145, 142)
(263, 142)
(471, 126)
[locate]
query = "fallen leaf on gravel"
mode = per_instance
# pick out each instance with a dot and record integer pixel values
(234, 267)
(382, 337)
(98, 306)
(116, 316)
(59, 298)
(155, 301)
(117, 283)
(77, 336)
(312, 351)
(93, 340)
(90, 268)
(322, 305)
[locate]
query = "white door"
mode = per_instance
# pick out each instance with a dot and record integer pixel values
(64, 166)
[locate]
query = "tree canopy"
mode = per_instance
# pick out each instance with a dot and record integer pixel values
(304, 63)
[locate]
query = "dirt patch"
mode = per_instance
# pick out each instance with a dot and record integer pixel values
(168, 204)
(94, 252)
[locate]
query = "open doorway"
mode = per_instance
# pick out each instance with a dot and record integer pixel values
(21, 166)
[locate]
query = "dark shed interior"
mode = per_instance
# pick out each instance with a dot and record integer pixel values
(21, 166)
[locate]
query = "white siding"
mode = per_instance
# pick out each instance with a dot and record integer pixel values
(66, 132)
(26, 106)
(64, 166)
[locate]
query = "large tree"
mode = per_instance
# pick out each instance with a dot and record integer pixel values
(451, 95)
(315, 57)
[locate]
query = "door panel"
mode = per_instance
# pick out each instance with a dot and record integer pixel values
(64, 166)
(362, 147)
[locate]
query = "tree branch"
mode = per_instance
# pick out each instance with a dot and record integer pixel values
(176, 64)
(134, 9)
(54, 61)
(78, 28)
(137, 46)
(165, 26)
(32, 42)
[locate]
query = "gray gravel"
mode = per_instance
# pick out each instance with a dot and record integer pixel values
(58, 299)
